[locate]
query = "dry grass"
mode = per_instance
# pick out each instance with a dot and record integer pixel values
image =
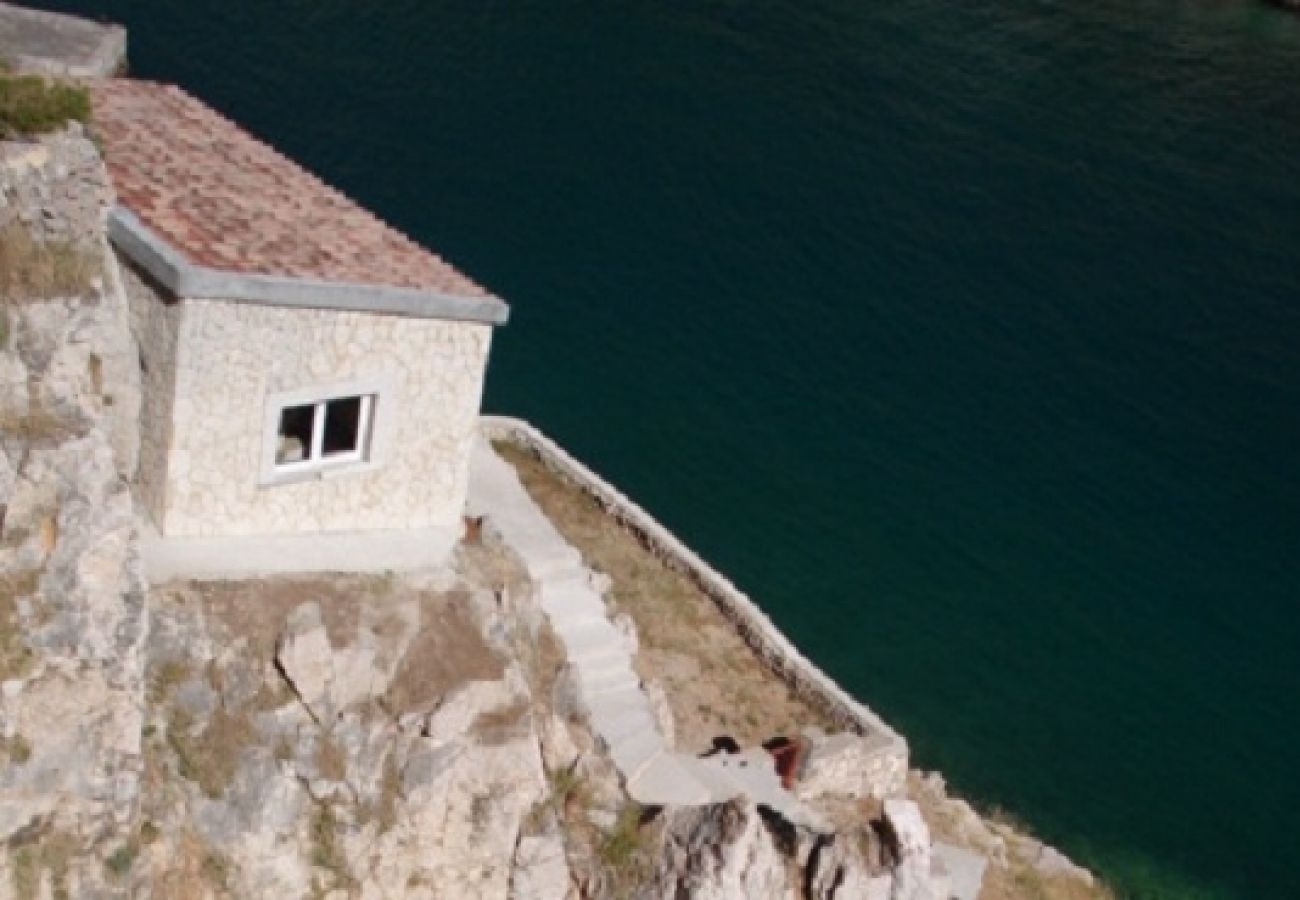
(191, 869)
(390, 794)
(449, 650)
(331, 762)
(43, 270)
(211, 757)
(165, 678)
(15, 656)
(567, 799)
(256, 609)
(496, 727)
(43, 860)
(1020, 882)
(715, 683)
(40, 426)
(326, 854)
(1016, 881)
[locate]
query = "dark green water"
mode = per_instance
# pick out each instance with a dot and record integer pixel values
(966, 337)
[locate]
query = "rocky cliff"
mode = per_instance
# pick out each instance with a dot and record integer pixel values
(340, 736)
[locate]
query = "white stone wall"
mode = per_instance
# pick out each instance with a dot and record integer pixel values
(155, 324)
(231, 356)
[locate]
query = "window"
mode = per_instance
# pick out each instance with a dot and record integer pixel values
(314, 435)
(328, 430)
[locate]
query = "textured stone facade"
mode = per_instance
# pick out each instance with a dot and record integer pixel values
(210, 367)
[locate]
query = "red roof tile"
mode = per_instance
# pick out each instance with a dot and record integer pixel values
(227, 201)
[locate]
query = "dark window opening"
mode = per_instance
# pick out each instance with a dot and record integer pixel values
(342, 426)
(293, 443)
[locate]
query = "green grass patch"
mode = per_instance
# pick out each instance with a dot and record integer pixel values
(30, 104)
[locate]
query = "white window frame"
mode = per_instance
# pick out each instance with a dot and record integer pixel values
(316, 458)
(374, 423)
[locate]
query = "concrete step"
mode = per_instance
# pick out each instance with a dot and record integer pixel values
(620, 725)
(633, 754)
(608, 683)
(595, 673)
(568, 601)
(577, 579)
(720, 785)
(664, 780)
(616, 700)
(595, 636)
(545, 560)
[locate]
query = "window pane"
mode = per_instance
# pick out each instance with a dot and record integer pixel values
(342, 426)
(294, 440)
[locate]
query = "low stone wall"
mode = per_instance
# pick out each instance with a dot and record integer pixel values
(804, 678)
(33, 40)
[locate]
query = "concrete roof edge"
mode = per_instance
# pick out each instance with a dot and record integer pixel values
(184, 279)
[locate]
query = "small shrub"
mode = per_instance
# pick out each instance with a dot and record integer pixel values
(149, 833)
(26, 868)
(121, 860)
(15, 655)
(18, 749)
(621, 849)
(42, 270)
(283, 749)
(166, 678)
(215, 870)
(30, 104)
(567, 790)
(326, 853)
(382, 584)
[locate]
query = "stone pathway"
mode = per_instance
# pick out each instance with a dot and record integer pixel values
(620, 712)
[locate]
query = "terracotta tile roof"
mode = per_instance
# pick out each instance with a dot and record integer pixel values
(227, 201)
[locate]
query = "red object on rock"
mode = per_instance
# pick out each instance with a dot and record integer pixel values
(786, 755)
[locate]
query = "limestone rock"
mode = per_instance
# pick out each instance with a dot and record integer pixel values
(540, 869)
(306, 658)
(909, 840)
(328, 679)
(721, 852)
(71, 708)
(835, 869)
(849, 765)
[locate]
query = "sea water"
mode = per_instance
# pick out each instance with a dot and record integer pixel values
(964, 336)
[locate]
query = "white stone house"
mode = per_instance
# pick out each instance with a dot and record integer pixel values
(306, 369)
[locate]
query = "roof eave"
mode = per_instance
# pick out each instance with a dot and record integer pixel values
(185, 279)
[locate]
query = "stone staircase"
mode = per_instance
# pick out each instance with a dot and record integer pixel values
(619, 710)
